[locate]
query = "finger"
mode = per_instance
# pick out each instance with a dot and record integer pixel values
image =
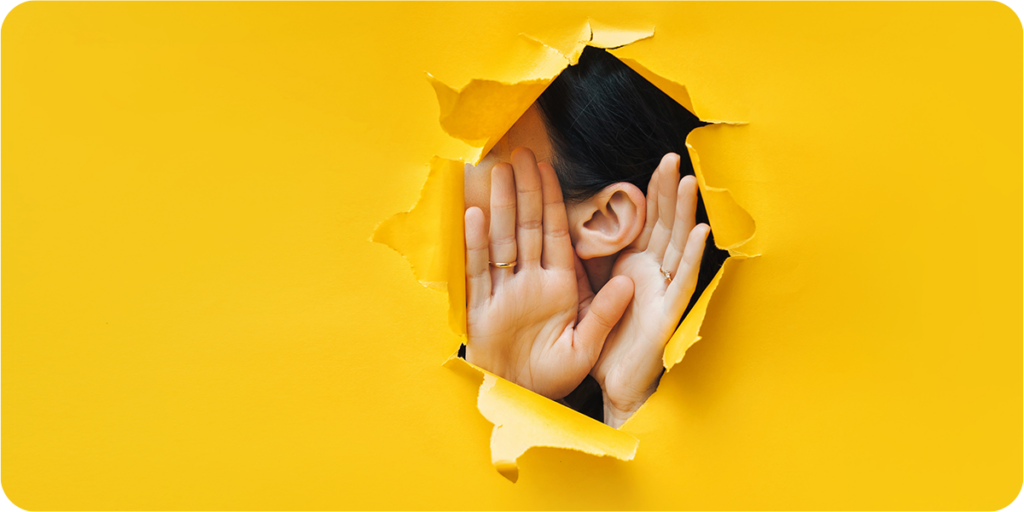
(503, 217)
(605, 311)
(478, 275)
(668, 182)
(557, 251)
(529, 207)
(683, 283)
(641, 241)
(686, 210)
(583, 290)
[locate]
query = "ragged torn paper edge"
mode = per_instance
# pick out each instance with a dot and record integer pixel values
(431, 238)
(504, 103)
(733, 228)
(523, 419)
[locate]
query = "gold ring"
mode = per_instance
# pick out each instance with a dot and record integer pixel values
(668, 275)
(503, 265)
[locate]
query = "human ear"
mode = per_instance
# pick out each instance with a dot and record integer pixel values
(607, 222)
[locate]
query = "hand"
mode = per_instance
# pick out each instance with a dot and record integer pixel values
(525, 324)
(631, 363)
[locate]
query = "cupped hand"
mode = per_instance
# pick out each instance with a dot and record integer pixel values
(630, 364)
(525, 322)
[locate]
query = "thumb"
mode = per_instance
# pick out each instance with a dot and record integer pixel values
(605, 311)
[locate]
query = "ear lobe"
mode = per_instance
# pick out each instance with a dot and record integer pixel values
(608, 222)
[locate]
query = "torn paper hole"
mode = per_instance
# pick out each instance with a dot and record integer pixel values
(431, 238)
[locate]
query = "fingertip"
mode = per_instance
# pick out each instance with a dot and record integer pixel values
(669, 174)
(619, 291)
(474, 217)
(608, 306)
(522, 152)
(476, 234)
(687, 187)
(699, 232)
(521, 149)
(501, 169)
(551, 188)
(547, 174)
(622, 282)
(476, 220)
(674, 162)
(671, 159)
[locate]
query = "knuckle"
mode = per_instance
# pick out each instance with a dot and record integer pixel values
(600, 319)
(558, 233)
(504, 240)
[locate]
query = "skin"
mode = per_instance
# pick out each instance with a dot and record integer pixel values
(527, 132)
(527, 324)
(630, 365)
(540, 324)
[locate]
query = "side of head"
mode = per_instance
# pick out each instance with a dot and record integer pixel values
(609, 128)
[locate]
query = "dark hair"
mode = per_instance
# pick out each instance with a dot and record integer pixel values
(608, 124)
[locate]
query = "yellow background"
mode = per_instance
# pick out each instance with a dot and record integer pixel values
(194, 316)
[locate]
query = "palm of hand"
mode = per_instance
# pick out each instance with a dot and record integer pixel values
(631, 361)
(522, 325)
(525, 325)
(630, 364)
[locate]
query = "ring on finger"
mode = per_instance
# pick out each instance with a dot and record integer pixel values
(667, 274)
(502, 265)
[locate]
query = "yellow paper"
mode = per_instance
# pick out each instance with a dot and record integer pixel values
(523, 419)
(431, 237)
(195, 318)
(479, 114)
